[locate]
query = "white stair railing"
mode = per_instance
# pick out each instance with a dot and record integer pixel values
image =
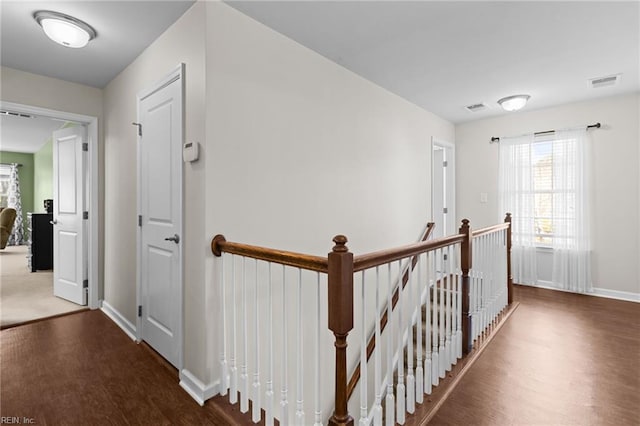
(431, 303)
(263, 320)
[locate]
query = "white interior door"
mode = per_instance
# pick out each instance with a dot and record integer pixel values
(160, 205)
(443, 188)
(69, 270)
(438, 193)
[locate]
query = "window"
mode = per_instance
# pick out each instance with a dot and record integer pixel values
(543, 184)
(553, 163)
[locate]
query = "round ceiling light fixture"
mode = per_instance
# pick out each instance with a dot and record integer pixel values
(64, 29)
(514, 103)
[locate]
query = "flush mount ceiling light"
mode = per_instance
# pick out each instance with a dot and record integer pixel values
(64, 29)
(513, 103)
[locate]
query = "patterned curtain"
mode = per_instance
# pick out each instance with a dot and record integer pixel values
(15, 201)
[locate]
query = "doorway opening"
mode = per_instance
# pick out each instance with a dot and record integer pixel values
(443, 187)
(39, 217)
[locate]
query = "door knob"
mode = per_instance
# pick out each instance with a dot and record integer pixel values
(53, 222)
(175, 238)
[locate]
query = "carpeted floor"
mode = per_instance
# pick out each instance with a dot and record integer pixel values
(25, 295)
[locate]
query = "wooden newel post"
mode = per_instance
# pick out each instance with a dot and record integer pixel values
(341, 321)
(465, 266)
(509, 277)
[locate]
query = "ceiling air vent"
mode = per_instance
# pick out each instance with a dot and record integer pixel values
(15, 114)
(610, 80)
(476, 107)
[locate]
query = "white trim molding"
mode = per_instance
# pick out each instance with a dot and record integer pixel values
(195, 388)
(597, 292)
(617, 294)
(119, 319)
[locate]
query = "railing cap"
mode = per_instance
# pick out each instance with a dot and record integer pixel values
(341, 242)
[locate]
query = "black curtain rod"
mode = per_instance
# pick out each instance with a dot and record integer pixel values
(590, 126)
(10, 164)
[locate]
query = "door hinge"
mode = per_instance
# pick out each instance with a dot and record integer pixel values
(85, 215)
(85, 283)
(445, 163)
(139, 128)
(139, 310)
(85, 146)
(139, 220)
(445, 210)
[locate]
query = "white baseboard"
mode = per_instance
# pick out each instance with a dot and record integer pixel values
(616, 294)
(195, 388)
(119, 319)
(598, 292)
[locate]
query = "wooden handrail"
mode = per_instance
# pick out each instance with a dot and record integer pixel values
(382, 257)
(489, 229)
(298, 260)
(355, 377)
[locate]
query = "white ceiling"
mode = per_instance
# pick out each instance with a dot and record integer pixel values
(19, 134)
(444, 56)
(124, 29)
(439, 55)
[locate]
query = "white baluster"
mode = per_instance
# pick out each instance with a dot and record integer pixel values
(318, 383)
(284, 390)
(447, 318)
(363, 358)
(233, 370)
(505, 274)
(487, 280)
(400, 389)
(442, 355)
(419, 370)
(377, 405)
(411, 380)
(224, 368)
(244, 378)
(299, 368)
(390, 400)
(435, 362)
(427, 330)
(256, 412)
(269, 394)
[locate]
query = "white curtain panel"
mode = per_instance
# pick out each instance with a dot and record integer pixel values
(571, 242)
(515, 190)
(563, 191)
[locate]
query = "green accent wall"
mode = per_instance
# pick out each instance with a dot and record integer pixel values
(43, 176)
(25, 174)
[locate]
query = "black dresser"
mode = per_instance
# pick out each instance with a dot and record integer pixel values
(40, 241)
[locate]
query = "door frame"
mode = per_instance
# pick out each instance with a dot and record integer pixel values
(176, 74)
(93, 236)
(449, 148)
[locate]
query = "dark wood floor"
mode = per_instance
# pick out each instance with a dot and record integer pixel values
(560, 359)
(81, 369)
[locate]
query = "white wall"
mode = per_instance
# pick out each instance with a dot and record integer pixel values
(300, 149)
(616, 182)
(182, 42)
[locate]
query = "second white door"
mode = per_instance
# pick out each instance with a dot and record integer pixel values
(160, 220)
(69, 266)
